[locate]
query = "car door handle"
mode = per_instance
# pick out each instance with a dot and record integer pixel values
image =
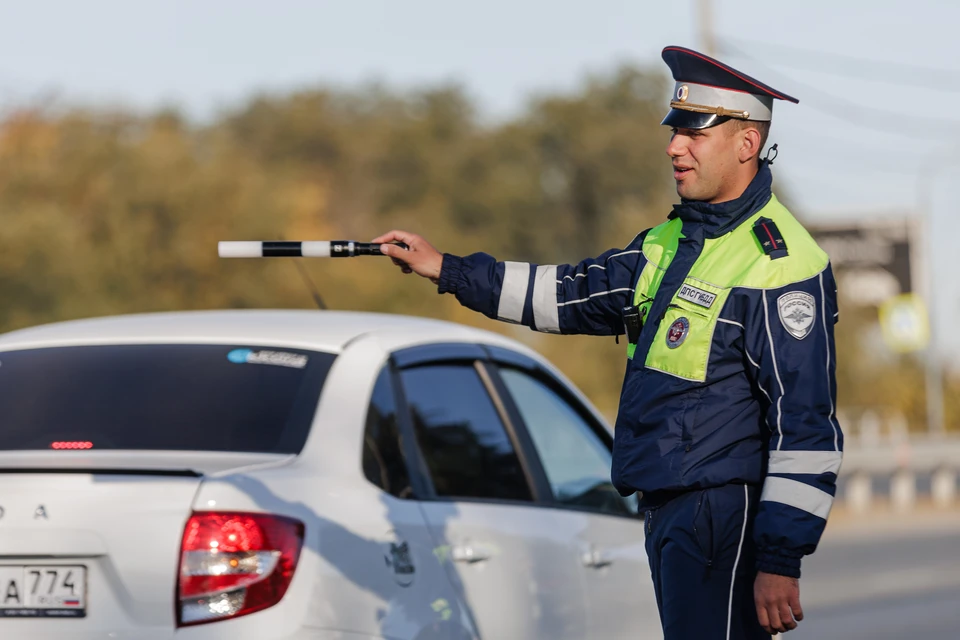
(596, 559)
(469, 553)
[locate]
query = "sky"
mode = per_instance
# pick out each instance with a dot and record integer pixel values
(876, 79)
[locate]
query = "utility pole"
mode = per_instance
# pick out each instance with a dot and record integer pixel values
(929, 168)
(705, 20)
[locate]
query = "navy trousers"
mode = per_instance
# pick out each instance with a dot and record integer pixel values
(703, 562)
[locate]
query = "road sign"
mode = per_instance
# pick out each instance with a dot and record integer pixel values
(871, 257)
(904, 322)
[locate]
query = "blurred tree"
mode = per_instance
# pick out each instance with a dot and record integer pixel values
(108, 212)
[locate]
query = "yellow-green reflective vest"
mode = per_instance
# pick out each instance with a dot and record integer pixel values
(728, 262)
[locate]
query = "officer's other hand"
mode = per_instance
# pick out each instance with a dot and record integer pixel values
(778, 602)
(421, 258)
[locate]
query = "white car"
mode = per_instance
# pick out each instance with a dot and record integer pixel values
(305, 475)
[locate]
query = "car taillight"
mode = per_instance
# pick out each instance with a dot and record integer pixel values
(232, 564)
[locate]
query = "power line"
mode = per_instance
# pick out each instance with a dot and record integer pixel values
(856, 67)
(861, 167)
(867, 162)
(832, 182)
(804, 137)
(910, 124)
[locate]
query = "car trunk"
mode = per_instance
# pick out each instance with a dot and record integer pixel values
(102, 451)
(96, 541)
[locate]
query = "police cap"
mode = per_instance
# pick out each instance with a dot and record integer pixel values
(709, 92)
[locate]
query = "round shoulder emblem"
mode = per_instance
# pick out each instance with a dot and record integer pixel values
(678, 333)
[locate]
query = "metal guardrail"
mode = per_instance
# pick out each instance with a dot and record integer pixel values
(902, 461)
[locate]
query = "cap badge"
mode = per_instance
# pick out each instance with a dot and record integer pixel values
(683, 92)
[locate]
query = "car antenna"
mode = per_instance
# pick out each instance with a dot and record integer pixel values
(309, 284)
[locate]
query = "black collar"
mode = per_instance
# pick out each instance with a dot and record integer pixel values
(718, 219)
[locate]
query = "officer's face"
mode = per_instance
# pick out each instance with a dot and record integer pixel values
(705, 162)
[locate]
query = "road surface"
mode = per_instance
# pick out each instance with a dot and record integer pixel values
(884, 580)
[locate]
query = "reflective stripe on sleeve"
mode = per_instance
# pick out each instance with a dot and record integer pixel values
(545, 311)
(798, 495)
(513, 292)
(812, 462)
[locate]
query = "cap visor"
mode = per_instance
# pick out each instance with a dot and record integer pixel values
(692, 120)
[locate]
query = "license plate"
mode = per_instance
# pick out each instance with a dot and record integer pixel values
(43, 591)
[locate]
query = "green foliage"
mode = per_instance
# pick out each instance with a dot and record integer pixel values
(109, 212)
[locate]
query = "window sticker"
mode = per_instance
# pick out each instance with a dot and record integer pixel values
(275, 358)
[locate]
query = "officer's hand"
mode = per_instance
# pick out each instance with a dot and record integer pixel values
(421, 258)
(778, 602)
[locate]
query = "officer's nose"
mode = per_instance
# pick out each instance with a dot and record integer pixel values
(677, 146)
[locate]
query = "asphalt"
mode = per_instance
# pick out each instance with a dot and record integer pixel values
(896, 578)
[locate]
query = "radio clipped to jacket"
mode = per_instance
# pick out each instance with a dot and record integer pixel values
(632, 323)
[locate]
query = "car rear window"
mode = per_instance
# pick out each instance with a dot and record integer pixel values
(238, 398)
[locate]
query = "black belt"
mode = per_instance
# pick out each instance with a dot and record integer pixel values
(656, 499)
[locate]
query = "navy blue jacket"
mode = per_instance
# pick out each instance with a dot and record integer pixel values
(763, 415)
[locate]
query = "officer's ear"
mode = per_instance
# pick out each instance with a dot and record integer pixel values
(751, 142)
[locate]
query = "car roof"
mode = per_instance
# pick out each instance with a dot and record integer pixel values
(330, 331)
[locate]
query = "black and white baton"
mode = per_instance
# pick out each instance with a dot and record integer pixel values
(307, 249)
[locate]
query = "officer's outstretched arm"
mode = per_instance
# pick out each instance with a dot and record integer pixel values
(790, 345)
(585, 298)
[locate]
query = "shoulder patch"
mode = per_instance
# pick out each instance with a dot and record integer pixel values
(770, 238)
(797, 310)
(741, 259)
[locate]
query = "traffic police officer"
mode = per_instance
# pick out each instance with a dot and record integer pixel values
(726, 422)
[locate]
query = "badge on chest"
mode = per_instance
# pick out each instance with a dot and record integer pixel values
(696, 296)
